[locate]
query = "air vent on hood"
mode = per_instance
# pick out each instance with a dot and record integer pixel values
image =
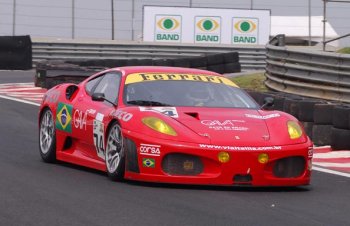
(193, 114)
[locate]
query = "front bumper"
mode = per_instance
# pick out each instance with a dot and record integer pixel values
(192, 163)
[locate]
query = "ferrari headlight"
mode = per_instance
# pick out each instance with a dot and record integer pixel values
(159, 125)
(294, 130)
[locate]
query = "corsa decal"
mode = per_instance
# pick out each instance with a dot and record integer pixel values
(64, 117)
(150, 149)
(144, 77)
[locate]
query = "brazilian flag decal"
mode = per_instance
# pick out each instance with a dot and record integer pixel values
(148, 162)
(64, 117)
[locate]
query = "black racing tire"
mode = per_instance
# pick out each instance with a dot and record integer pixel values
(290, 105)
(232, 67)
(340, 116)
(47, 136)
(163, 62)
(216, 68)
(198, 62)
(340, 139)
(323, 113)
(215, 59)
(231, 57)
(278, 103)
(306, 110)
(182, 62)
(321, 134)
(115, 153)
(308, 127)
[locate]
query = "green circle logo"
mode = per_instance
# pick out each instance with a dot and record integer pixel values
(208, 25)
(168, 24)
(245, 26)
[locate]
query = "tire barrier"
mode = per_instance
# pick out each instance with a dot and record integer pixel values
(251, 57)
(325, 122)
(50, 73)
(15, 52)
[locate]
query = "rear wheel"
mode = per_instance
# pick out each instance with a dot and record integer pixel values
(115, 153)
(47, 137)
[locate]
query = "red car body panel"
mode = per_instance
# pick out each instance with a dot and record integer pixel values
(201, 133)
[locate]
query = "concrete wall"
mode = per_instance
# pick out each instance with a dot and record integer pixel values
(92, 18)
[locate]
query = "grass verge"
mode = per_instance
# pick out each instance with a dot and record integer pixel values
(251, 81)
(345, 50)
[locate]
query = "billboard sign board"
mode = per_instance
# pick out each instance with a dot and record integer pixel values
(206, 25)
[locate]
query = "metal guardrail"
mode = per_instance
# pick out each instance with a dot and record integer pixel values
(308, 72)
(251, 57)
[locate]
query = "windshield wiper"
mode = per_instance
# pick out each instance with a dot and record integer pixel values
(147, 103)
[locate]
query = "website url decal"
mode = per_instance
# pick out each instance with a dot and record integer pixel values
(237, 148)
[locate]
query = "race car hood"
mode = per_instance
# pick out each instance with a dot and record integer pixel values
(226, 126)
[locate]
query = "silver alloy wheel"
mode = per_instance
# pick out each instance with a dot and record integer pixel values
(46, 132)
(114, 149)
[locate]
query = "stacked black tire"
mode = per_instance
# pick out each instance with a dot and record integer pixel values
(220, 63)
(15, 52)
(326, 123)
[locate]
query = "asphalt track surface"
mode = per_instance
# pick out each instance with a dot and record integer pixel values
(36, 193)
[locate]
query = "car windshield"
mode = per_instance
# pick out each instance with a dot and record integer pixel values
(187, 93)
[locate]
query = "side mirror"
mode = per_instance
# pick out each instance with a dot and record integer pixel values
(98, 97)
(268, 102)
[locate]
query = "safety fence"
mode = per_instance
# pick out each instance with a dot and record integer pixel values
(15, 52)
(250, 57)
(307, 72)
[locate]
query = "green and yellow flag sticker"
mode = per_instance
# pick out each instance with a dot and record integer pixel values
(148, 162)
(145, 77)
(64, 117)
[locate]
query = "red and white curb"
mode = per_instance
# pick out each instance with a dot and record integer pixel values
(22, 92)
(329, 161)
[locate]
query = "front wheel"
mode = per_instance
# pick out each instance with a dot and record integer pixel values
(115, 153)
(47, 137)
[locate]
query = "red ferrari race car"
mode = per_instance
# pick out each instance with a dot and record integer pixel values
(172, 125)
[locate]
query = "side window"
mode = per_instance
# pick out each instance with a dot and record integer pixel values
(91, 84)
(109, 86)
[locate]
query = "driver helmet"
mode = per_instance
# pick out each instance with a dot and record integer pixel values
(198, 94)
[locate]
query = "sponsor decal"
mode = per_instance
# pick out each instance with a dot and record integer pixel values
(245, 30)
(52, 96)
(207, 29)
(143, 77)
(238, 148)
(224, 125)
(150, 149)
(168, 28)
(64, 117)
(98, 134)
(99, 117)
(122, 115)
(169, 111)
(276, 115)
(148, 162)
(80, 118)
(310, 152)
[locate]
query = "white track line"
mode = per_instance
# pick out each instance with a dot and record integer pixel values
(19, 100)
(330, 171)
(332, 154)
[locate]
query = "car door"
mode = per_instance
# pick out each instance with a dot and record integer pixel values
(94, 112)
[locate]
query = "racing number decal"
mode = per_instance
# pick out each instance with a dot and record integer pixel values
(99, 138)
